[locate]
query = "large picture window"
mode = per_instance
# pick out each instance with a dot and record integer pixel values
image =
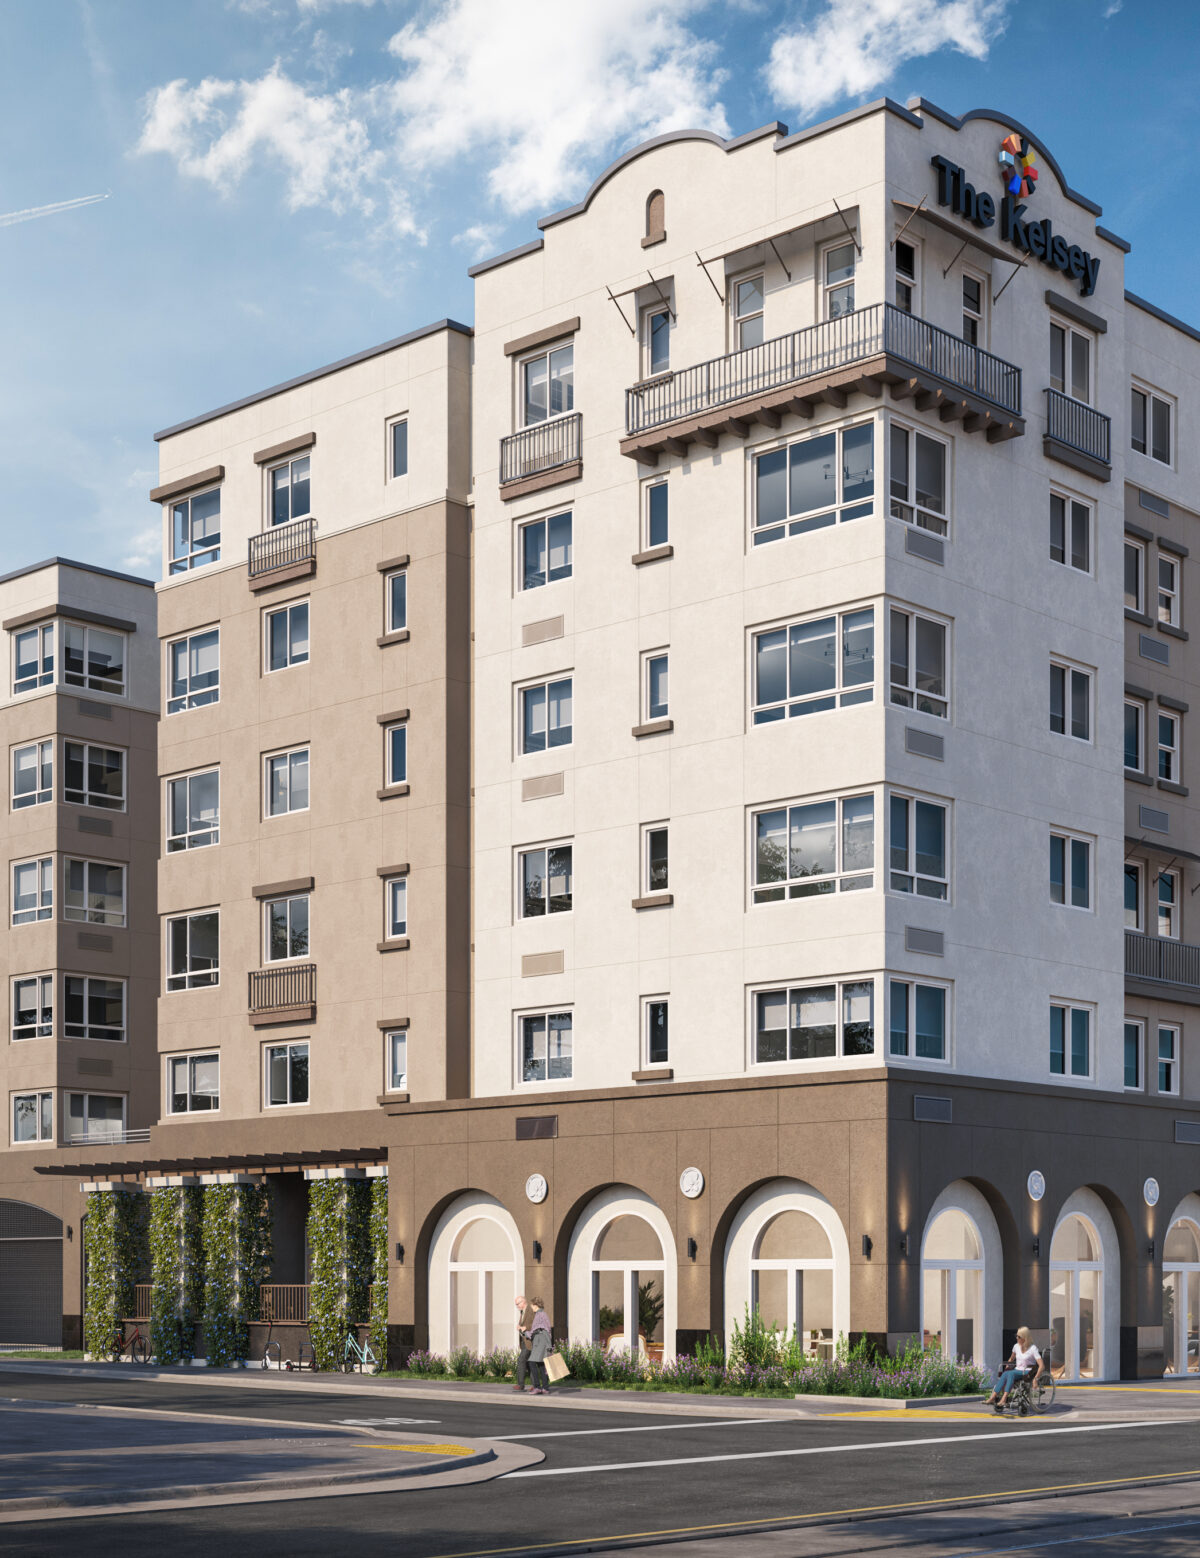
(94, 776)
(917, 1020)
(814, 483)
(917, 479)
(93, 1008)
(193, 810)
(194, 671)
(813, 666)
(193, 1083)
(814, 847)
(814, 1022)
(196, 531)
(193, 950)
(917, 854)
(94, 891)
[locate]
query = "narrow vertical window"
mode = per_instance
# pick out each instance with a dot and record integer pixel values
(657, 703)
(656, 858)
(395, 749)
(396, 602)
(839, 281)
(658, 1052)
(33, 774)
(1133, 896)
(906, 276)
(748, 313)
(1134, 720)
(1135, 557)
(1168, 1060)
(399, 448)
(1168, 590)
(1133, 1056)
(658, 532)
(290, 491)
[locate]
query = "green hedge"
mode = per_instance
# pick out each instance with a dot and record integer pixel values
(237, 1257)
(342, 1261)
(176, 1270)
(379, 1275)
(114, 1249)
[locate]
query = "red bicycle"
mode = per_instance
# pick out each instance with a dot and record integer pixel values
(136, 1345)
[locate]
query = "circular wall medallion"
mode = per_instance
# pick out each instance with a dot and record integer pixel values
(1036, 1184)
(691, 1182)
(536, 1187)
(1150, 1192)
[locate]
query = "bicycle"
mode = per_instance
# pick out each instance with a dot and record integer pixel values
(139, 1347)
(354, 1354)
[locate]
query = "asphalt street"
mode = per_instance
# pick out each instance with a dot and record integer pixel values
(639, 1475)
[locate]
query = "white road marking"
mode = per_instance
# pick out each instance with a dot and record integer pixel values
(383, 1422)
(654, 1428)
(839, 1449)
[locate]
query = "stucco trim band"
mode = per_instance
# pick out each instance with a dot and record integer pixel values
(122, 624)
(288, 446)
(298, 884)
(526, 343)
(176, 489)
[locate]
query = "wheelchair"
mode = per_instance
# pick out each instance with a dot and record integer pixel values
(1031, 1394)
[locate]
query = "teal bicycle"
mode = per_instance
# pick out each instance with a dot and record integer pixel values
(354, 1356)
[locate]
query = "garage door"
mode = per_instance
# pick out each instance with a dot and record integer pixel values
(30, 1276)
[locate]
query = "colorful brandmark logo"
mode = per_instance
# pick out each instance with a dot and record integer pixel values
(1016, 166)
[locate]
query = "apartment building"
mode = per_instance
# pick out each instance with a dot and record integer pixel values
(777, 748)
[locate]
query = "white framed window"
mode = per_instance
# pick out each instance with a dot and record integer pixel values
(1135, 723)
(1168, 590)
(545, 1046)
(747, 294)
(1168, 1058)
(546, 550)
(397, 437)
(1168, 747)
(290, 490)
(93, 891)
(93, 1008)
(548, 384)
(1070, 870)
(1135, 575)
(193, 947)
(395, 1060)
(1133, 895)
(906, 256)
(1168, 904)
(93, 658)
(193, 1083)
(1070, 701)
(1070, 533)
(33, 1006)
(32, 890)
(194, 671)
(95, 1117)
(285, 1074)
(918, 1020)
(656, 703)
(1071, 362)
(285, 929)
(656, 1047)
(32, 774)
(656, 857)
(33, 657)
(814, 1022)
(656, 341)
(656, 513)
(32, 1117)
(194, 810)
(1134, 1045)
(93, 775)
(546, 715)
(395, 907)
(974, 300)
(837, 272)
(918, 853)
(395, 754)
(809, 848)
(285, 637)
(285, 781)
(814, 665)
(814, 482)
(1070, 1039)
(917, 662)
(395, 601)
(1150, 418)
(545, 881)
(196, 531)
(918, 470)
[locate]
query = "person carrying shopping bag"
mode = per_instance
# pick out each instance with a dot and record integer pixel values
(525, 1320)
(539, 1346)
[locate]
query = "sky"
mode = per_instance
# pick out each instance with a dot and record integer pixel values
(290, 181)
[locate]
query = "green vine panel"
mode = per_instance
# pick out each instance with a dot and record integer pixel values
(379, 1272)
(176, 1270)
(114, 1249)
(341, 1263)
(236, 1234)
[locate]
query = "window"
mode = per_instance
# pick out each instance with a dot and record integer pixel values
(656, 342)
(286, 1074)
(285, 928)
(193, 810)
(1071, 362)
(395, 1049)
(747, 313)
(33, 1007)
(33, 890)
(1168, 899)
(1070, 1041)
(1133, 896)
(1168, 1060)
(545, 551)
(1070, 702)
(655, 859)
(1070, 533)
(657, 1048)
(906, 276)
(398, 447)
(33, 658)
(839, 281)
(972, 310)
(656, 215)
(918, 663)
(290, 491)
(94, 776)
(287, 636)
(546, 1047)
(818, 847)
(545, 881)
(917, 479)
(287, 782)
(917, 847)
(193, 950)
(654, 688)
(1168, 590)
(395, 907)
(658, 530)
(33, 1117)
(814, 1022)
(93, 658)
(1150, 425)
(1168, 748)
(193, 1083)
(93, 1008)
(1135, 573)
(1135, 715)
(395, 601)
(548, 384)
(917, 1020)
(196, 531)
(1070, 871)
(395, 754)
(33, 774)
(1133, 1056)
(810, 667)
(94, 891)
(546, 715)
(95, 1117)
(813, 482)
(195, 671)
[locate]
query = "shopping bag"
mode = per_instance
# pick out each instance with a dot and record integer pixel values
(556, 1367)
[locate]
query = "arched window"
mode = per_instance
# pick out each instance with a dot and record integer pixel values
(791, 1278)
(1181, 1298)
(627, 1270)
(952, 1286)
(1076, 1287)
(482, 1287)
(656, 216)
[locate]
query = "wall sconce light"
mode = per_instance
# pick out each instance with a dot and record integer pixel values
(1037, 1249)
(903, 1245)
(400, 1254)
(537, 1251)
(1150, 1249)
(691, 1249)
(866, 1246)
(70, 1233)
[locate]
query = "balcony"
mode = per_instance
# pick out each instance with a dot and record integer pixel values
(1158, 960)
(106, 1135)
(285, 552)
(1078, 435)
(857, 353)
(543, 455)
(285, 994)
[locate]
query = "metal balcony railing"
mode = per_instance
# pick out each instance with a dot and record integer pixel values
(1162, 960)
(1079, 426)
(836, 343)
(141, 1301)
(110, 1135)
(282, 547)
(278, 989)
(542, 447)
(284, 1303)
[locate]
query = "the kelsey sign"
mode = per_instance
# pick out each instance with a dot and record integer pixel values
(1036, 238)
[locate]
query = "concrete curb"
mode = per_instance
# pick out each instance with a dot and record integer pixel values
(891, 1403)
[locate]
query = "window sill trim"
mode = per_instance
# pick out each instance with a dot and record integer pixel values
(1140, 617)
(400, 636)
(392, 1098)
(652, 554)
(654, 1074)
(396, 944)
(391, 791)
(653, 901)
(1136, 778)
(283, 1014)
(1172, 631)
(1172, 788)
(654, 727)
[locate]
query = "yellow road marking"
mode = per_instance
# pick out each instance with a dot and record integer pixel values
(1141, 1390)
(422, 1449)
(916, 1415)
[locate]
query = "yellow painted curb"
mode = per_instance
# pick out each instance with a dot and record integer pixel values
(423, 1449)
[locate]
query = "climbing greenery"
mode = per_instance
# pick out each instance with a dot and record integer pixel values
(114, 1248)
(379, 1273)
(176, 1270)
(236, 1233)
(342, 1261)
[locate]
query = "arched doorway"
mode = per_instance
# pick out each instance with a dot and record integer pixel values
(1076, 1300)
(1181, 1298)
(952, 1286)
(30, 1276)
(475, 1273)
(622, 1274)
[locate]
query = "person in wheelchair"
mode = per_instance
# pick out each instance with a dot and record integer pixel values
(1025, 1363)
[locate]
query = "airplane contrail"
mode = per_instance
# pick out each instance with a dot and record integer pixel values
(11, 218)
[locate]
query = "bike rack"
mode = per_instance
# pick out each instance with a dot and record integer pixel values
(266, 1359)
(307, 1357)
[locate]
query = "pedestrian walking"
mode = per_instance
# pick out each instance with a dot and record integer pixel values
(539, 1345)
(524, 1322)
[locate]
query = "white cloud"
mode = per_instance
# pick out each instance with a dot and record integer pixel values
(856, 45)
(1112, 8)
(327, 54)
(326, 5)
(479, 239)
